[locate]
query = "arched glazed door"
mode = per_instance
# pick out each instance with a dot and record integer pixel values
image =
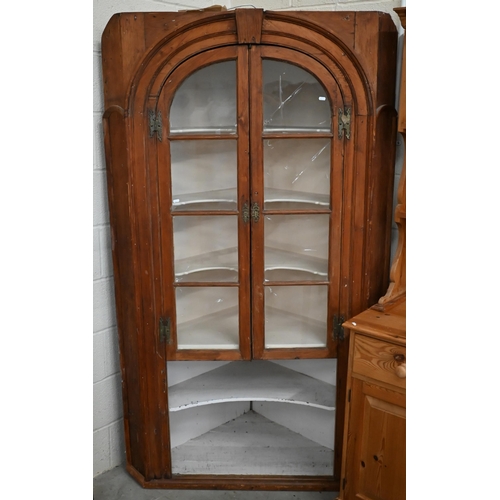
(250, 188)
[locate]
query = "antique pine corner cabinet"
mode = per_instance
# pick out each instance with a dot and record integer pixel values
(250, 162)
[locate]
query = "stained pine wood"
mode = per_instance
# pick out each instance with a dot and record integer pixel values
(378, 360)
(146, 56)
(373, 459)
(376, 444)
(374, 432)
(249, 25)
(397, 286)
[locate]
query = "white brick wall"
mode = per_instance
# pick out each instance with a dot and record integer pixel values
(108, 416)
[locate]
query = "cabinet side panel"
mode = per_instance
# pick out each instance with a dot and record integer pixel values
(356, 269)
(387, 63)
(376, 46)
(111, 48)
(122, 47)
(380, 188)
(122, 245)
(376, 50)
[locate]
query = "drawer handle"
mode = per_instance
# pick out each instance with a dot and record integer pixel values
(401, 368)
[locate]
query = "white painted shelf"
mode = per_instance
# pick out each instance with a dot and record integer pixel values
(222, 265)
(270, 129)
(204, 130)
(226, 199)
(220, 199)
(252, 381)
(272, 195)
(281, 260)
(252, 444)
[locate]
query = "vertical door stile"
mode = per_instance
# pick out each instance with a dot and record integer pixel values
(165, 275)
(243, 106)
(256, 197)
(356, 164)
(349, 197)
(337, 203)
(166, 228)
(154, 354)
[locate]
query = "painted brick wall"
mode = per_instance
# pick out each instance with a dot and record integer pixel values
(108, 416)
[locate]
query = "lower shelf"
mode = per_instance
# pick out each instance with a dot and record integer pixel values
(252, 444)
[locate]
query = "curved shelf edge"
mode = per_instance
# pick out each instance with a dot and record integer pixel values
(243, 399)
(252, 381)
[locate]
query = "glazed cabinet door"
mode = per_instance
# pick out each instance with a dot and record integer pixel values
(204, 204)
(250, 177)
(376, 449)
(296, 186)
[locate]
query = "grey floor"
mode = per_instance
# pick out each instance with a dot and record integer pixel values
(116, 484)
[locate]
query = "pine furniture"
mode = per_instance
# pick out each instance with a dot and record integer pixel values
(250, 163)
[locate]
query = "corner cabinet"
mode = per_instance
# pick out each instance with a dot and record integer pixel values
(250, 161)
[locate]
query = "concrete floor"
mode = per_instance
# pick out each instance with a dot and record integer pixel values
(116, 484)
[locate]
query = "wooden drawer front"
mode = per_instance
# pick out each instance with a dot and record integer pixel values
(379, 360)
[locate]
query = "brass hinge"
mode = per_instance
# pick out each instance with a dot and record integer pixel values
(345, 122)
(338, 329)
(165, 330)
(155, 125)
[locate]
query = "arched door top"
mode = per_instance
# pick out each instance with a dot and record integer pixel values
(229, 28)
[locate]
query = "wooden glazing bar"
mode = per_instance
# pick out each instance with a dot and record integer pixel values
(296, 283)
(202, 137)
(301, 211)
(300, 352)
(192, 213)
(296, 135)
(209, 284)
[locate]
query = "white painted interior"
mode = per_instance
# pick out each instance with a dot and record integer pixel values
(252, 381)
(196, 421)
(252, 444)
(296, 396)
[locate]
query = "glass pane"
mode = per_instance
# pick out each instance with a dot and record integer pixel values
(206, 101)
(207, 318)
(293, 99)
(206, 248)
(296, 173)
(204, 175)
(295, 316)
(296, 247)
